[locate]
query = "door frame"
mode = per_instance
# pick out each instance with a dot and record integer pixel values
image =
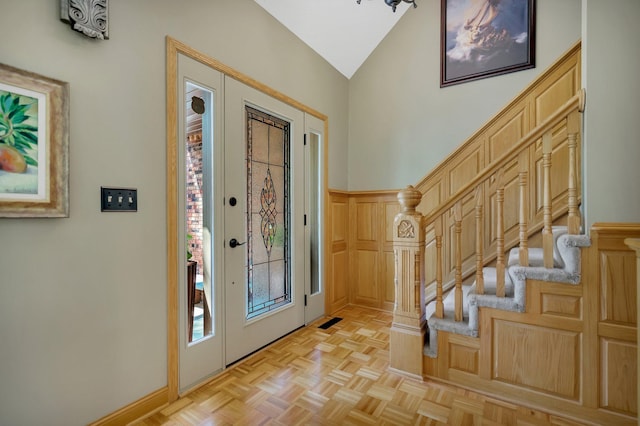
(173, 48)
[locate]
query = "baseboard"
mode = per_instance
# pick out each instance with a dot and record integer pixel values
(135, 410)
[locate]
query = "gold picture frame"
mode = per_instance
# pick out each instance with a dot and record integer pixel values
(34, 145)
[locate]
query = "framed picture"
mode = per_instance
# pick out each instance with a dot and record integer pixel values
(484, 38)
(34, 145)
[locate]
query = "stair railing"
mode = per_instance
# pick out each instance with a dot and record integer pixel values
(409, 320)
(492, 177)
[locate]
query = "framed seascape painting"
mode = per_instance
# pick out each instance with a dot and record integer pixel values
(484, 38)
(34, 144)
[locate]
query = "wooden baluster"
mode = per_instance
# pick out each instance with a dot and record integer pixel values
(500, 291)
(457, 216)
(439, 304)
(573, 128)
(523, 251)
(479, 239)
(547, 233)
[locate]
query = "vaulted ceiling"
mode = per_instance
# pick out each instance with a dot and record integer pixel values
(341, 31)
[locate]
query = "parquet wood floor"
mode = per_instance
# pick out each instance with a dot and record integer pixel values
(337, 376)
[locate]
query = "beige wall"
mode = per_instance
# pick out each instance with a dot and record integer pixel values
(83, 300)
(611, 64)
(399, 115)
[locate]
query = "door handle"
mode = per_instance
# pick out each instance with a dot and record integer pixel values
(234, 243)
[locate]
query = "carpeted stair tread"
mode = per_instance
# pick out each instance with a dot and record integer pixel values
(449, 302)
(491, 282)
(536, 257)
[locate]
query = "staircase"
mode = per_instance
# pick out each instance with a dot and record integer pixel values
(552, 326)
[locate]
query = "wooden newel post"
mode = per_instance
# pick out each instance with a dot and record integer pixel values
(409, 324)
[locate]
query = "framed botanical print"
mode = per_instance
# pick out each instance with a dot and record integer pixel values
(34, 143)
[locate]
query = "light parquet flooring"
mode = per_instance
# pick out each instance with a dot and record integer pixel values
(337, 376)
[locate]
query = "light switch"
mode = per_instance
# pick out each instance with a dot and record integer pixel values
(119, 199)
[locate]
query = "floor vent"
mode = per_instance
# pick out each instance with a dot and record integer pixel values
(330, 323)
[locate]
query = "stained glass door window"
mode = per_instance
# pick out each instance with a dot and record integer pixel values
(268, 221)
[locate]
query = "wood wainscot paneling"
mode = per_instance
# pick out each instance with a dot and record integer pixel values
(552, 89)
(560, 82)
(463, 353)
(541, 358)
(337, 265)
(634, 244)
(364, 254)
(612, 279)
(371, 258)
(361, 262)
(618, 376)
(366, 233)
(562, 305)
(501, 134)
(539, 351)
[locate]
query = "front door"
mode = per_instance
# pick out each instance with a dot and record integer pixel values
(264, 220)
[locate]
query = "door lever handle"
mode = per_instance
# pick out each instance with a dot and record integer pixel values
(234, 243)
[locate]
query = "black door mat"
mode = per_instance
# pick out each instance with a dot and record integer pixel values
(330, 323)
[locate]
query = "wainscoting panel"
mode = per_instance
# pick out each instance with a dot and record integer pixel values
(612, 279)
(371, 271)
(618, 376)
(502, 134)
(463, 354)
(337, 290)
(366, 278)
(466, 166)
(337, 264)
(367, 220)
(433, 193)
(541, 358)
(561, 305)
(617, 287)
(560, 84)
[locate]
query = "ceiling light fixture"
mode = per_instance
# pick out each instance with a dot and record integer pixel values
(394, 3)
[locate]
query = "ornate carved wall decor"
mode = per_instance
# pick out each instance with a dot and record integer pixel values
(90, 17)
